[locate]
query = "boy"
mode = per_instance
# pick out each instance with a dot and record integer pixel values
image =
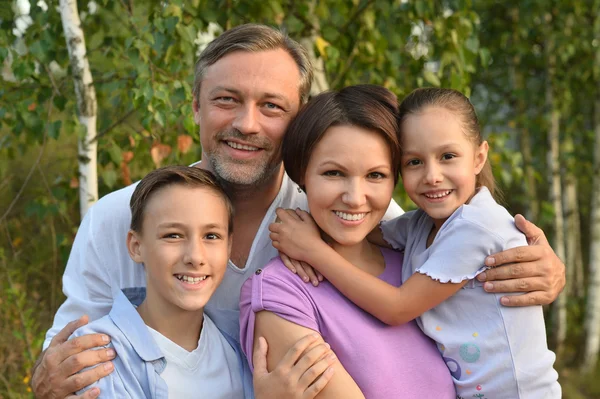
(181, 230)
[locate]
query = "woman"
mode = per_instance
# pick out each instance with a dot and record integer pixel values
(343, 150)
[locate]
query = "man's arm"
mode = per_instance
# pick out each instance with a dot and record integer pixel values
(55, 372)
(535, 270)
(87, 286)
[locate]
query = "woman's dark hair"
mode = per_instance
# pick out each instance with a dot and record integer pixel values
(457, 103)
(366, 106)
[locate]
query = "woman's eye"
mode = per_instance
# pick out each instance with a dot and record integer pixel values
(332, 173)
(377, 175)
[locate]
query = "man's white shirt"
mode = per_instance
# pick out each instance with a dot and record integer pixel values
(99, 265)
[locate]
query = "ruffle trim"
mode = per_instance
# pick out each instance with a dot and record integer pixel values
(452, 279)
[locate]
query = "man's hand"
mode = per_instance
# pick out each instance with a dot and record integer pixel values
(301, 374)
(535, 270)
(55, 373)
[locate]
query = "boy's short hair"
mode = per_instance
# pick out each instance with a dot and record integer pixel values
(167, 176)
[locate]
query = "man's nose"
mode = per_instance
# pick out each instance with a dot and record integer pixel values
(246, 120)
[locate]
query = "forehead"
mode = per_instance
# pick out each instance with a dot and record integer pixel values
(255, 74)
(186, 204)
(351, 143)
(431, 125)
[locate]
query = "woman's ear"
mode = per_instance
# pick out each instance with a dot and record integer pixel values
(481, 153)
(134, 246)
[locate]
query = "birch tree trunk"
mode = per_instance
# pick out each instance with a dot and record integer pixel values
(86, 104)
(592, 313)
(559, 308)
(573, 248)
(320, 83)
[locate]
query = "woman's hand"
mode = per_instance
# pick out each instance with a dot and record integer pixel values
(535, 270)
(296, 236)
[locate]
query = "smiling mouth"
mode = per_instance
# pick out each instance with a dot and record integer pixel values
(352, 217)
(190, 279)
(438, 195)
(239, 146)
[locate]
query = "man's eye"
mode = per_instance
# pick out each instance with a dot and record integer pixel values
(272, 106)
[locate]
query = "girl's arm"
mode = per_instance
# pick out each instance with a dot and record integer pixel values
(281, 335)
(298, 237)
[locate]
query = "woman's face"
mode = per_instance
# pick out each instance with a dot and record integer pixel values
(349, 182)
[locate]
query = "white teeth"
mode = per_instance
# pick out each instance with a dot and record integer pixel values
(241, 146)
(350, 216)
(189, 279)
(438, 195)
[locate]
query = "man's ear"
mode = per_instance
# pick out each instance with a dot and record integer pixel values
(196, 109)
(134, 246)
(481, 154)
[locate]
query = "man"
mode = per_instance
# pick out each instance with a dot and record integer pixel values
(249, 84)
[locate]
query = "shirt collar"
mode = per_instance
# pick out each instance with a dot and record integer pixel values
(129, 321)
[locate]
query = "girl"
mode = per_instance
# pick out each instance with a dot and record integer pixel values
(491, 351)
(320, 150)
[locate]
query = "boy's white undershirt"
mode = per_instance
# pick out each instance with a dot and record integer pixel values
(209, 371)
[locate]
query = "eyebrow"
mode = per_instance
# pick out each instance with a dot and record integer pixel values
(337, 165)
(444, 147)
(168, 225)
(239, 93)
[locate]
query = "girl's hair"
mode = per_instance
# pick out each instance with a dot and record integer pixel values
(457, 103)
(366, 106)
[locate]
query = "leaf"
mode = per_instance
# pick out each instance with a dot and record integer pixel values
(321, 44)
(159, 152)
(127, 156)
(184, 143)
(431, 78)
(110, 177)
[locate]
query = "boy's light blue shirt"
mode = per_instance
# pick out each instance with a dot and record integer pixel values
(139, 361)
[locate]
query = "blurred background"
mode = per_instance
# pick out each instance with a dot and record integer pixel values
(531, 67)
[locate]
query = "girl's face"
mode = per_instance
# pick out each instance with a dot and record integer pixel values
(440, 163)
(349, 182)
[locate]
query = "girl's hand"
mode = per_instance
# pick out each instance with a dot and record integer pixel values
(296, 236)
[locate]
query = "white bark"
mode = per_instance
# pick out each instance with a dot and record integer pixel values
(573, 248)
(320, 83)
(86, 104)
(592, 312)
(559, 308)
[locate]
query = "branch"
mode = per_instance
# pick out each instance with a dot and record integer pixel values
(115, 124)
(35, 164)
(356, 14)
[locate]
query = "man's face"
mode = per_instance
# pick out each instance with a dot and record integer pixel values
(245, 104)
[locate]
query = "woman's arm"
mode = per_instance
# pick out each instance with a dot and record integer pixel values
(281, 335)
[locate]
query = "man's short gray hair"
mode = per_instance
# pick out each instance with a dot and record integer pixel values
(254, 38)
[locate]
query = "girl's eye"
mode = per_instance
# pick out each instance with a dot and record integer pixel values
(448, 156)
(413, 162)
(377, 175)
(332, 173)
(212, 236)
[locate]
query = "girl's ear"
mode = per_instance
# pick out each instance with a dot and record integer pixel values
(481, 153)
(134, 246)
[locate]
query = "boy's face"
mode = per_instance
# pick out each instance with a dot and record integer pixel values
(184, 246)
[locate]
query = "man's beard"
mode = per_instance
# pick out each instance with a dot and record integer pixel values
(232, 172)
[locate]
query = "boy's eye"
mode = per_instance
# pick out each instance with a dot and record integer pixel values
(212, 236)
(173, 236)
